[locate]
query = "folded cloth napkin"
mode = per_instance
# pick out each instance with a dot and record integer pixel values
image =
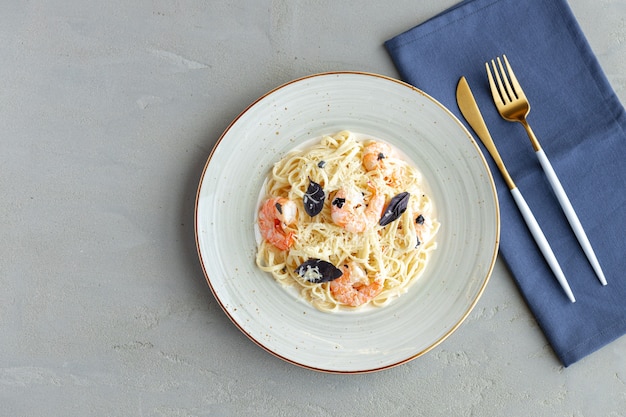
(581, 125)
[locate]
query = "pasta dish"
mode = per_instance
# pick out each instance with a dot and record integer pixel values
(347, 222)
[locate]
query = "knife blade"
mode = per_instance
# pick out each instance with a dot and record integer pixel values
(471, 112)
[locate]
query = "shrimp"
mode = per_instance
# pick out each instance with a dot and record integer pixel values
(349, 210)
(375, 157)
(275, 216)
(354, 288)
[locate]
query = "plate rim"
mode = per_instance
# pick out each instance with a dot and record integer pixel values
(494, 194)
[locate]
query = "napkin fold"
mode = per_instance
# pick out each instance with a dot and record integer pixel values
(581, 125)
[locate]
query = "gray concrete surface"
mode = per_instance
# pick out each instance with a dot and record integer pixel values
(108, 111)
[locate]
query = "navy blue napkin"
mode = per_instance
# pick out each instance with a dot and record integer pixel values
(581, 125)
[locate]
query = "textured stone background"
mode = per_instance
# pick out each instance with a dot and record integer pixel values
(108, 111)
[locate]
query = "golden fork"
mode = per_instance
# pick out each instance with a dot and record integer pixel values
(513, 106)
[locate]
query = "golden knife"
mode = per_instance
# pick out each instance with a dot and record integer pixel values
(471, 112)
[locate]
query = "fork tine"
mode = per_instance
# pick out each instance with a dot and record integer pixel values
(503, 94)
(497, 98)
(516, 86)
(505, 79)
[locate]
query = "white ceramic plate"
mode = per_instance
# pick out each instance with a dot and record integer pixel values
(460, 185)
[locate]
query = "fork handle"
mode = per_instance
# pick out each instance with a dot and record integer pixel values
(542, 242)
(570, 214)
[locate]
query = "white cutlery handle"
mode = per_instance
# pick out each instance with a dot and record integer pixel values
(542, 242)
(570, 214)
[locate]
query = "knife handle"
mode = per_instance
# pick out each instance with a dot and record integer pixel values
(570, 214)
(542, 242)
